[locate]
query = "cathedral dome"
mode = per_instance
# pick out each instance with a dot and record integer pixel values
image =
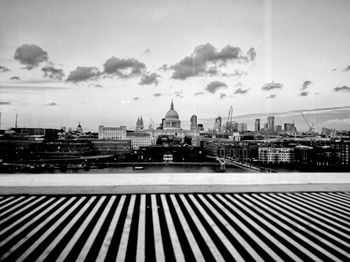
(172, 114)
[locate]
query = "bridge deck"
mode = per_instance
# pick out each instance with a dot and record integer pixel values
(224, 227)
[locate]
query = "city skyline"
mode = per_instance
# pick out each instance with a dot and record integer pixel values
(110, 62)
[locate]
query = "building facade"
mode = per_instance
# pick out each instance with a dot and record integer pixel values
(194, 122)
(257, 125)
(276, 155)
(271, 124)
(171, 120)
(116, 133)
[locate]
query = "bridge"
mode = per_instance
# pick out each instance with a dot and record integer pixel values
(243, 165)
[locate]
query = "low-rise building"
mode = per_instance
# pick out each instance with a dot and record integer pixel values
(139, 139)
(115, 133)
(276, 155)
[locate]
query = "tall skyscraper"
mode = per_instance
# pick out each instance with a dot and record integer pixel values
(271, 124)
(193, 122)
(257, 124)
(218, 124)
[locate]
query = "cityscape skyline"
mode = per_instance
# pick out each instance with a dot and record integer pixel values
(132, 58)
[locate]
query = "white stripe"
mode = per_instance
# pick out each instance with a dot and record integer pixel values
(216, 253)
(92, 236)
(10, 200)
(345, 195)
(335, 203)
(65, 252)
(157, 231)
(179, 255)
(193, 243)
(289, 229)
(141, 235)
(20, 210)
(328, 206)
(111, 229)
(302, 228)
(26, 216)
(233, 232)
(340, 196)
(315, 223)
(309, 206)
(126, 231)
(51, 229)
(23, 227)
(260, 229)
(65, 230)
(236, 255)
(35, 230)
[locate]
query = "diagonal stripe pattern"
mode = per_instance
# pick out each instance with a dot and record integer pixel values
(303, 226)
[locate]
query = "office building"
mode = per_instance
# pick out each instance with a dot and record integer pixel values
(194, 122)
(271, 124)
(116, 133)
(257, 125)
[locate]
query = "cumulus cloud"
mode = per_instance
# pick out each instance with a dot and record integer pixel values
(214, 86)
(342, 88)
(53, 72)
(83, 73)
(306, 85)
(304, 93)
(15, 78)
(157, 94)
(271, 96)
(199, 93)
(222, 96)
(123, 68)
(4, 103)
(347, 68)
(148, 79)
(334, 69)
(164, 68)
(272, 85)
(147, 51)
(203, 56)
(241, 91)
(4, 69)
(136, 98)
(30, 55)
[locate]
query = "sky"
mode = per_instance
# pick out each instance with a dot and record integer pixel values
(108, 62)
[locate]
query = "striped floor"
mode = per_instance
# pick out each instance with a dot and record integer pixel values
(176, 227)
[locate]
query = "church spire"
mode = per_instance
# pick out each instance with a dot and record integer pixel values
(172, 105)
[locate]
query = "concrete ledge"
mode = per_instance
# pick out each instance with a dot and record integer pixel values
(172, 183)
(150, 189)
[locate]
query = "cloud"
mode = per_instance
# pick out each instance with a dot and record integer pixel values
(347, 68)
(83, 73)
(147, 51)
(51, 103)
(306, 85)
(204, 56)
(199, 93)
(334, 69)
(157, 94)
(214, 86)
(136, 98)
(222, 95)
(271, 96)
(304, 93)
(53, 73)
(148, 79)
(4, 69)
(251, 54)
(15, 78)
(30, 55)
(164, 68)
(241, 91)
(342, 88)
(95, 85)
(4, 103)
(178, 94)
(272, 85)
(123, 68)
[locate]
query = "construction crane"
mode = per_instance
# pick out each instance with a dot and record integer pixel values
(311, 126)
(229, 123)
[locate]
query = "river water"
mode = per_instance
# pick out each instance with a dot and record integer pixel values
(154, 169)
